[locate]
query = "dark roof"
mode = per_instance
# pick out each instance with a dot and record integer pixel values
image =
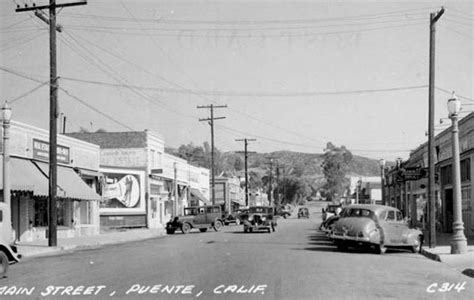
(131, 139)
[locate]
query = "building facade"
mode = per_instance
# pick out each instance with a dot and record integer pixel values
(414, 191)
(152, 183)
(78, 180)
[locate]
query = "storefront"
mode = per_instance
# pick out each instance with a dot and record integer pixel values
(77, 198)
(141, 181)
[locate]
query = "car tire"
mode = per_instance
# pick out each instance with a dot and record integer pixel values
(250, 229)
(170, 231)
(415, 248)
(237, 221)
(4, 263)
(381, 249)
(186, 228)
(341, 245)
(217, 225)
(203, 229)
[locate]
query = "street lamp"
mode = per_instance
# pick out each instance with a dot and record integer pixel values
(382, 179)
(458, 242)
(6, 117)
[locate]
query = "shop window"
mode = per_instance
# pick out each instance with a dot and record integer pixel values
(86, 212)
(446, 175)
(41, 212)
(466, 169)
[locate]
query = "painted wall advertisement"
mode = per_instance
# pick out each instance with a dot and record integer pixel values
(123, 192)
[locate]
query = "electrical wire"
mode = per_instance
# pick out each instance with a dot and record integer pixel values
(288, 34)
(28, 93)
(70, 95)
(250, 94)
(253, 22)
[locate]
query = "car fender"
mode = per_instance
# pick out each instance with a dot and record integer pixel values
(413, 236)
(13, 257)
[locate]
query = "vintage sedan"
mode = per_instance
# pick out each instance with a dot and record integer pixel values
(260, 218)
(376, 226)
(199, 217)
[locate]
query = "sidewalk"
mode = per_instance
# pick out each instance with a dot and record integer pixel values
(442, 253)
(40, 248)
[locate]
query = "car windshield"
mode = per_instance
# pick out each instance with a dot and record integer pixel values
(258, 210)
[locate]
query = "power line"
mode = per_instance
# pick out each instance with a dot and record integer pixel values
(286, 34)
(254, 22)
(69, 94)
(248, 93)
(450, 92)
(234, 29)
(28, 93)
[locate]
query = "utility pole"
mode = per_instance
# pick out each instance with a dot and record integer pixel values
(277, 197)
(211, 123)
(434, 17)
(246, 167)
(53, 111)
(270, 188)
(175, 190)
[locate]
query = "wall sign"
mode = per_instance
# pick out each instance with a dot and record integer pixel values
(41, 152)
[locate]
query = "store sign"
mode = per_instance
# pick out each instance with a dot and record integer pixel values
(41, 152)
(408, 174)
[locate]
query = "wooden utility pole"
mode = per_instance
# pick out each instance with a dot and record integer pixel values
(246, 167)
(434, 17)
(53, 111)
(211, 123)
(270, 188)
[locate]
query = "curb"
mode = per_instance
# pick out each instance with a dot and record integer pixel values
(430, 255)
(93, 245)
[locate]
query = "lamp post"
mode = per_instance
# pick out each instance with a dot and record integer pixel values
(6, 117)
(382, 179)
(458, 242)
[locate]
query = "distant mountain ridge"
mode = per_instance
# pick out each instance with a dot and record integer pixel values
(298, 164)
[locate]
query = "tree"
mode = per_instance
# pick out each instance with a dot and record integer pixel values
(335, 166)
(238, 164)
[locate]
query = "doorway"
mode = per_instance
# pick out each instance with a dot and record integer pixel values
(448, 210)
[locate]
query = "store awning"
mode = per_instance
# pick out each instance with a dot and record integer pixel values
(70, 183)
(25, 176)
(89, 173)
(196, 193)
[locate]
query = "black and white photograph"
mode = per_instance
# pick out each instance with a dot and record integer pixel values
(237, 149)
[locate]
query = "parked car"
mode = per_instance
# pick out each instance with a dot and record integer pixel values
(236, 217)
(376, 226)
(260, 218)
(199, 217)
(331, 209)
(303, 212)
(328, 225)
(8, 252)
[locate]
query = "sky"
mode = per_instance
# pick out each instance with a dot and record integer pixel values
(294, 75)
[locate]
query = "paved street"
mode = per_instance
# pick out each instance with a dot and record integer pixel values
(295, 262)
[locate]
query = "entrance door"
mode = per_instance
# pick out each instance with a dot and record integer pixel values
(448, 210)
